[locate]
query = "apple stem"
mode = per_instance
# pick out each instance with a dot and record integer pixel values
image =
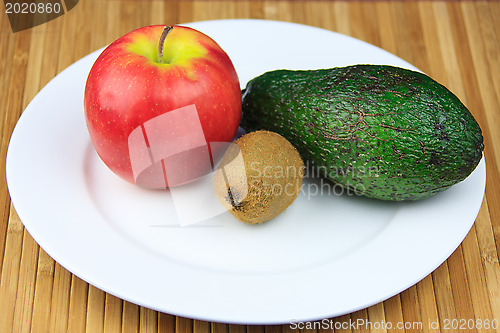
(164, 34)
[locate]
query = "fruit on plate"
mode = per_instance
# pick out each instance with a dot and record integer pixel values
(387, 132)
(259, 176)
(154, 101)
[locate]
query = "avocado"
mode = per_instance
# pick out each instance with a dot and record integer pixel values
(388, 133)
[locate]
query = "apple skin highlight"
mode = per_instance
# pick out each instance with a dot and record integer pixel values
(127, 87)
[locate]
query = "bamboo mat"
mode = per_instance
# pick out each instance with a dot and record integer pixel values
(457, 43)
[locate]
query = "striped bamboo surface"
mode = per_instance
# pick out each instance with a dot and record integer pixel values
(457, 43)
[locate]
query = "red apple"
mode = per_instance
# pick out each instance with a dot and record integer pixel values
(154, 101)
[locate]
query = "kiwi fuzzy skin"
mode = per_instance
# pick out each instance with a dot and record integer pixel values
(259, 176)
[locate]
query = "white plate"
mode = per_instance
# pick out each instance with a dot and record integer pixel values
(327, 255)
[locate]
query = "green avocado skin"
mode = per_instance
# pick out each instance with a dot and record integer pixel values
(386, 132)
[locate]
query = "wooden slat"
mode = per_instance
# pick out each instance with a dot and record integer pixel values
(448, 52)
(363, 24)
(113, 314)
(341, 328)
(95, 310)
(34, 64)
(67, 44)
(401, 27)
(10, 272)
(81, 45)
(444, 296)
(148, 320)
(459, 284)
(242, 9)
(185, 11)
(427, 304)
(40, 320)
(26, 284)
(220, 328)
(100, 25)
(360, 317)
(233, 328)
(386, 27)
(131, 318)
(16, 57)
(341, 15)
(205, 10)
(434, 65)
(134, 14)
(51, 49)
(298, 13)
(158, 13)
(166, 323)
(273, 329)
(476, 280)
(494, 8)
(393, 313)
(60, 299)
(277, 10)
(376, 314)
(325, 18)
(490, 265)
(419, 56)
(200, 326)
(77, 313)
(490, 31)
(255, 329)
(410, 305)
(491, 39)
(183, 325)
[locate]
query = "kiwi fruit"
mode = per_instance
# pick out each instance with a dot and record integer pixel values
(259, 176)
